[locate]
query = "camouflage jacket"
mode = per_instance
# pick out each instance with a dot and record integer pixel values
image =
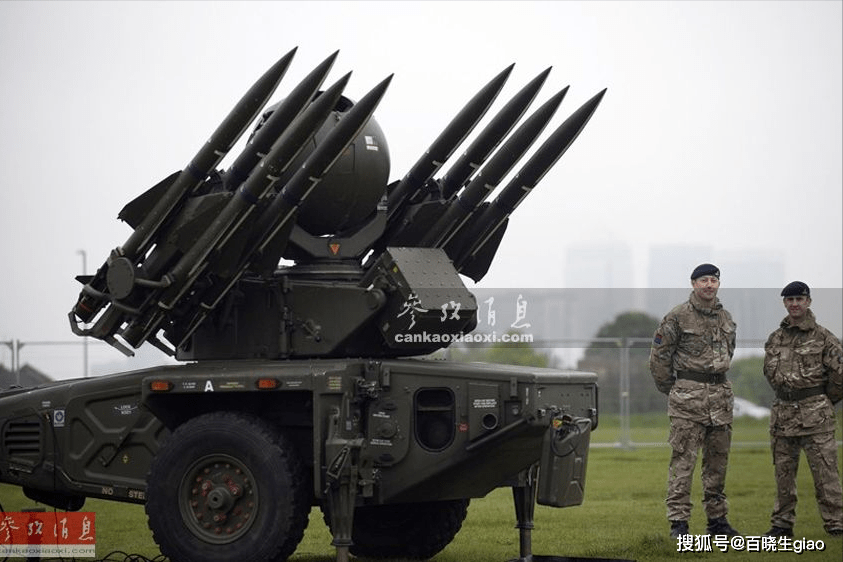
(693, 337)
(800, 357)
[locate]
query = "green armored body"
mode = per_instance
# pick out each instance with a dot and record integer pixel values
(302, 384)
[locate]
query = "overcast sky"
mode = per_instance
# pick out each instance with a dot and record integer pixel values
(721, 126)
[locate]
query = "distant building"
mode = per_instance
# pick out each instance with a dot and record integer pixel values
(599, 277)
(29, 377)
(599, 265)
(669, 275)
(670, 265)
(754, 269)
(750, 284)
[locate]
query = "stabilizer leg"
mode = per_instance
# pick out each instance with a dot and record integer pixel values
(341, 498)
(342, 477)
(524, 496)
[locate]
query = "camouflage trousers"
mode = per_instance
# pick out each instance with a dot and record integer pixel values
(821, 452)
(687, 438)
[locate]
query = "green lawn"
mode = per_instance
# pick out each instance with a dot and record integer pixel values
(623, 515)
(654, 427)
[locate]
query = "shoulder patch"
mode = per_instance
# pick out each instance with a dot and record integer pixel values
(658, 339)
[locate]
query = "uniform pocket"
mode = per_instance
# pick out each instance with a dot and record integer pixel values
(687, 399)
(693, 342)
(815, 412)
(809, 357)
(825, 450)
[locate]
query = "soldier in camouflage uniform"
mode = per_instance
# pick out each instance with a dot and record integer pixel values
(803, 364)
(691, 352)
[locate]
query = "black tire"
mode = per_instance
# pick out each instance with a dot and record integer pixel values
(227, 486)
(416, 531)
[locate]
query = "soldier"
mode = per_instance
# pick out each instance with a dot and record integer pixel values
(691, 352)
(803, 364)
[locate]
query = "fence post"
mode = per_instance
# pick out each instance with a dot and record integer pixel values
(625, 435)
(11, 345)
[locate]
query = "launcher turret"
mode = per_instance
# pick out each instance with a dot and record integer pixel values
(371, 269)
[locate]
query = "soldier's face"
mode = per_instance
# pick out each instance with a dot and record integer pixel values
(705, 287)
(797, 307)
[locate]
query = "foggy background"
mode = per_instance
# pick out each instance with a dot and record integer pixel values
(719, 139)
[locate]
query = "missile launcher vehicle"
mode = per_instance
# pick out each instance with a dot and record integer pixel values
(303, 291)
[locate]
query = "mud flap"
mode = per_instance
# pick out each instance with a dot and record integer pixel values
(563, 462)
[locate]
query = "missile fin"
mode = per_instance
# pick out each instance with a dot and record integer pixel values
(478, 264)
(206, 160)
(266, 261)
(197, 170)
(418, 219)
(134, 211)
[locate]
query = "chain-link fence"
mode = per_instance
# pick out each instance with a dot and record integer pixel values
(632, 412)
(28, 362)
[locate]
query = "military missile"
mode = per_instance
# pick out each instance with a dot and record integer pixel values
(280, 119)
(317, 165)
(486, 181)
(445, 145)
(283, 207)
(241, 206)
(528, 176)
(197, 170)
(490, 137)
(282, 153)
(206, 160)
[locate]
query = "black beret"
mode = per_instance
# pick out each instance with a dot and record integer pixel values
(705, 269)
(795, 289)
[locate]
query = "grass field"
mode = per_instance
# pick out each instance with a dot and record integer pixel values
(623, 515)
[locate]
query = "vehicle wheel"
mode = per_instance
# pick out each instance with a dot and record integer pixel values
(227, 486)
(418, 530)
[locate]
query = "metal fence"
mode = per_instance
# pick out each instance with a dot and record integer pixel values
(627, 394)
(23, 360)
(628, 397)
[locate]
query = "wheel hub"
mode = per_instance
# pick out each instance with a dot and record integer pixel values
(218, 499)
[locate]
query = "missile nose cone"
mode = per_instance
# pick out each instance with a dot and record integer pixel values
(585, 112)
(264, 87)
(277, 70)
(544, 73)
(568, 131)
(382, 86)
